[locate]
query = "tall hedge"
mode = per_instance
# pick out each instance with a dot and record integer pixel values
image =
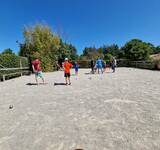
(12, 61)
(9, 61)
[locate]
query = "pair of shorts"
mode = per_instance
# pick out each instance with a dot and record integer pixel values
(39, 74)
(76, 69)
(99, 66)
(67, 75)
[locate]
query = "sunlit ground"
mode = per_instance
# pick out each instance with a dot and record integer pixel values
(97, 112)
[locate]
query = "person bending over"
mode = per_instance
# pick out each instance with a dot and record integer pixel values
(37, 70)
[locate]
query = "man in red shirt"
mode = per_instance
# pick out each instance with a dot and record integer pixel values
(67, 66)
(37, 70)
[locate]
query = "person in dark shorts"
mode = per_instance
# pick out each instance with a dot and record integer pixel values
(114, 64)
(92, 66)
(67, 66)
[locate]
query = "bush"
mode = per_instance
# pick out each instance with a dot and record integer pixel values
(11, 61)
(137, 50)
(108, 58)
(84, 64)
(122, 63)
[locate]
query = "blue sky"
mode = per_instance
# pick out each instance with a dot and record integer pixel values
(82, 22)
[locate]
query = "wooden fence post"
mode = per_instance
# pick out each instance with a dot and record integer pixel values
(136, 64)
(3, 77)
(144, 64)
(20, 64)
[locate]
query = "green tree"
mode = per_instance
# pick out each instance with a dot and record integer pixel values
(40, 42)
(92, 53)
(137, 50)
(156, 50)
(8, 59)
(73, 52)
(8, 51)
(100, 52)
(112, 49)
(108, 58)
(153, 48)
(67, 50)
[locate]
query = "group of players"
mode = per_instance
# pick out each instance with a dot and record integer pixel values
(101, 65)
(66, 66)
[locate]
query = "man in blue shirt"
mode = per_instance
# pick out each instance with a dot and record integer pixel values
(99, 65)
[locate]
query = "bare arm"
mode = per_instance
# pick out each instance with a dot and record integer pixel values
(33, 68)
(63, 67)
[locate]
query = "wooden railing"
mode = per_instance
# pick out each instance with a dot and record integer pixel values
(136, 64)
(18, 71)
(19, 67)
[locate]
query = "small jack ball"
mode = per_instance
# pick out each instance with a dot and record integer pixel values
(11, 106)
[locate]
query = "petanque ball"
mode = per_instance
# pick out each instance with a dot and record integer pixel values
(11, 107)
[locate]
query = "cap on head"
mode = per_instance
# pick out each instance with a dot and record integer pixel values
(66, 59)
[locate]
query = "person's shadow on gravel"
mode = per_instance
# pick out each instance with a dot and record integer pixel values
(30, 84)
(55, 84)
(89, 73)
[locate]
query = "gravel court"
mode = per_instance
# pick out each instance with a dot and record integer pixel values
(97, 112)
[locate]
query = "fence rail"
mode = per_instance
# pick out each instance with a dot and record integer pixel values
(137, 64)
(7, 69)
(13, 66)
(18, 72)
(125, 63)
